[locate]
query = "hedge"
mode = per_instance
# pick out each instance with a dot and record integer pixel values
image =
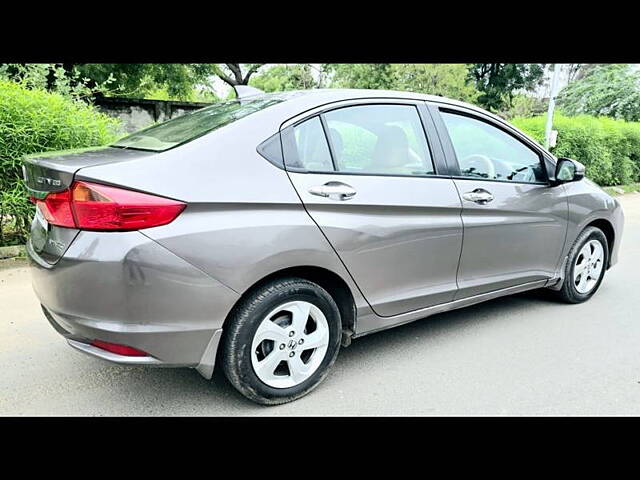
(610, 149)
(33, 121)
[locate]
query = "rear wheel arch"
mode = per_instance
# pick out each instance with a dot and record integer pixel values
(330, 281)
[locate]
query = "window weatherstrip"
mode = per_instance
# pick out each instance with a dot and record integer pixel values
(325, 129)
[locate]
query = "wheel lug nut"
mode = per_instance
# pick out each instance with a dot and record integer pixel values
(292, 333)
(301, 341)
(292, 354)
(282, 346)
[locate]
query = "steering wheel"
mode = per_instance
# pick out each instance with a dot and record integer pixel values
(481, 163)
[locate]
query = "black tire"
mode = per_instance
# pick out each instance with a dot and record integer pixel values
(569, 293)
(243, 323)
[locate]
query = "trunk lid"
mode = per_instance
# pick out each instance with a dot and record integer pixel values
(54, 172)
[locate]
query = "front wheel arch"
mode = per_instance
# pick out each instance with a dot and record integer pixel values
(607, 228)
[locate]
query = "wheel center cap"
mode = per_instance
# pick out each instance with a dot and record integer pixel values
(292, 344)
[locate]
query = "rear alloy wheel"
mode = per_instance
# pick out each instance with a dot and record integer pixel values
(585, 266)
(281, 341)
(289, 345)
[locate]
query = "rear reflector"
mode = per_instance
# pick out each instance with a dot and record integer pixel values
(119, 349)
(91, 206)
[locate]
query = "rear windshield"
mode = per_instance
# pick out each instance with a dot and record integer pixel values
(171, 133)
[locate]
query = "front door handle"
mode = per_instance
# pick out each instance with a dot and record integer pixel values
(479, 195)
(335, 190)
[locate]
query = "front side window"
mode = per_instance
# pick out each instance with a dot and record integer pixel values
(384, 139)
(177, 131)
(486, 152)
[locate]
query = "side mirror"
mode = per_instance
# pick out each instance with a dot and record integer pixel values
(568, 170)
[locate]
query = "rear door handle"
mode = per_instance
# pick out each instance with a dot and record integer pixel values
(479, 195)
(335, 190)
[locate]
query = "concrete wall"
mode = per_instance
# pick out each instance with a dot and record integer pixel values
(137, 113)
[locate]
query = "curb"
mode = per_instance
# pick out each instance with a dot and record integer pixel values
(12, 251)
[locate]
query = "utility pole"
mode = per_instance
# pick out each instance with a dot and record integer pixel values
(552, 104)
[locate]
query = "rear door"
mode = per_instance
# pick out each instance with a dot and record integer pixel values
(379, 191)
(514, 222)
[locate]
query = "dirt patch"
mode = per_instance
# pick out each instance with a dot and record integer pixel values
(15, 262)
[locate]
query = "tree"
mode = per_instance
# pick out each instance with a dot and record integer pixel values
(137, 79)
(231, 73)
(128, 80)
(498, 82)
(447, 80)
(284, 77)
(361, 75)
(612, 90)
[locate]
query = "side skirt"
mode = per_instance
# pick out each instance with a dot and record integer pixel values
(371, 319)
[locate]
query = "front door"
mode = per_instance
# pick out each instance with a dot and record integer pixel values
(374, 190)
(514, 222)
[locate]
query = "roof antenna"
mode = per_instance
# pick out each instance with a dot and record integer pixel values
(244, 91)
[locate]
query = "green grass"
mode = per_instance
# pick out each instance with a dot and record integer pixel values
(631, 188)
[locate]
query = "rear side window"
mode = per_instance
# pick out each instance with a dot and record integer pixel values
(177, 131)
(383, 139)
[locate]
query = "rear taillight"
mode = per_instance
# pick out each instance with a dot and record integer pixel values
(56, 208)
(119, 349)
(90, 206)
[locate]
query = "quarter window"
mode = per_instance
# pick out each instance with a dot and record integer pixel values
(311, 146)
(484, 151)
(384, 139)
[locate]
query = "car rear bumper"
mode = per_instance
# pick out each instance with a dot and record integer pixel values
(125, 288)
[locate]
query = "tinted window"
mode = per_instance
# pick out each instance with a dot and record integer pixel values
(484, 151)
(311, 147)
(188, 127)
(387, 139)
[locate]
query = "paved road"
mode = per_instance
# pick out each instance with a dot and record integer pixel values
(517, 355)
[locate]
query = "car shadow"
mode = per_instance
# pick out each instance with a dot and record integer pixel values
(185, 392)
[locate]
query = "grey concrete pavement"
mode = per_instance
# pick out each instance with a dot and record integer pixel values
(525, 354)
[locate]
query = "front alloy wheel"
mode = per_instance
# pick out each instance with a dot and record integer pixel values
(588, 266)
(584, 270)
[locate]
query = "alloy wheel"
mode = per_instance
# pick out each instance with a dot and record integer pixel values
(588, 266)
(290, 344)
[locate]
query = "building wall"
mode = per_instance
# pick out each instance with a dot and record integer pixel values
(136, 113)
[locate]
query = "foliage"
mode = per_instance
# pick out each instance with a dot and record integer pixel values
(284, 77)
(361, 75)
(523, 105)
(611, 90)
(137, 79)
(609, 148)
(231, 73)
(498, 82)
(55, 78)
(446, 80)
(34, 121)
(196, 95)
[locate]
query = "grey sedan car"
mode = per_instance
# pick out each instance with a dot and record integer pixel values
(263, 233)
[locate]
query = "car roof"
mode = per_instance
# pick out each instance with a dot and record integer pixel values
(338, 94)
(320, 96)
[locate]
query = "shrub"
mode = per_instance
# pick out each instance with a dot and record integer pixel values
(33, 121)
(610, 149)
